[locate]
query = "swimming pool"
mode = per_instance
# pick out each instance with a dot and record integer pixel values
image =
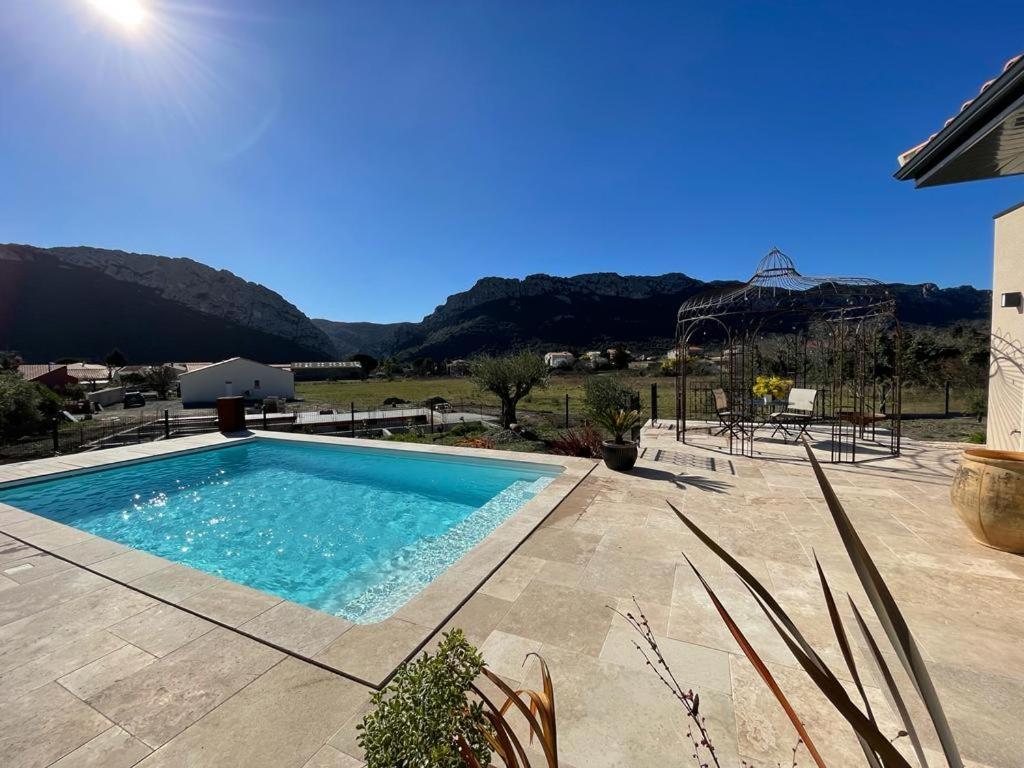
(350, 531)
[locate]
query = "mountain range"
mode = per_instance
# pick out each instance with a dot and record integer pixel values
(83, 302)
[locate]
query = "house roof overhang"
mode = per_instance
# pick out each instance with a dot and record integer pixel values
(984, 140)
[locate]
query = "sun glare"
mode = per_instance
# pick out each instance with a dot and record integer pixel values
(128, 13)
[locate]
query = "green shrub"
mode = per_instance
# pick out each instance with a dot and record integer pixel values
(25, 407)
(607, 405)
(418, 718)
(978, 438)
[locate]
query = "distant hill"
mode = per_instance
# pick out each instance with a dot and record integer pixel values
(593, 311)
(377, 339)
(83, 302)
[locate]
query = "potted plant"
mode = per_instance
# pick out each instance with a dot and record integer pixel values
(988, 494)
(618, 453)
(604, 399)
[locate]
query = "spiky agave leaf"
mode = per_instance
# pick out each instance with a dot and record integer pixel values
(890, 683)
(851, 664)
(888, 614)
(840, 699)
(504, 740)
(539, 706)
(802, 650)
(761, 667)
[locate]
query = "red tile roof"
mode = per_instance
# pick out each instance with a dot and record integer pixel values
(905, 156)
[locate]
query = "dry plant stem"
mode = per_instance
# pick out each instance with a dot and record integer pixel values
(689, 700)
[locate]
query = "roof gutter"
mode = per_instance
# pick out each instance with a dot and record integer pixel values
(987, 107)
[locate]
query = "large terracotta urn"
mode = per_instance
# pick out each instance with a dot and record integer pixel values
(988, 493)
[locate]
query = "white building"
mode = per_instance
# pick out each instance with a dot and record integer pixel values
(235, 376)
(559, 359)
(985, 140)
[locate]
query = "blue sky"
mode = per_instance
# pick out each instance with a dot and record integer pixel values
(367, 159)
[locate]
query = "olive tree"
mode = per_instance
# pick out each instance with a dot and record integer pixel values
(510, 378)
(161, 378)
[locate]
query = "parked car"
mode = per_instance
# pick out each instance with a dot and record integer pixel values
(134, 400)
(443, 407)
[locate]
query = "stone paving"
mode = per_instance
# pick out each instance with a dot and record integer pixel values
(95, 674)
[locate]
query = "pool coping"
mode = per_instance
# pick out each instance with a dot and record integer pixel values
(367, 653)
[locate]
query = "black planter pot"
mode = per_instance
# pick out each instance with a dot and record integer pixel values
(619, 456)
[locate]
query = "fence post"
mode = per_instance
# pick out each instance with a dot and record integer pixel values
(947, 399)
(352, 418)
(566, 410)
(654, 403)
(431, 419)
(264, 416)
(167, 423)
(56, 437)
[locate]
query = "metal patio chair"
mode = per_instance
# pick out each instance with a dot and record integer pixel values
(797, 414)
(729, 420)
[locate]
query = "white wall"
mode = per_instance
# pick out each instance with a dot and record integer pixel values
(106, 397)
(1006, 365)
(235, 377)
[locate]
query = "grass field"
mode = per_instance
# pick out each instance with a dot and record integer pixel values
(372, 392)
(456, 390)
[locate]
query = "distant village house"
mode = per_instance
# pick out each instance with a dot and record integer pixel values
(559, 359)
(233, 377)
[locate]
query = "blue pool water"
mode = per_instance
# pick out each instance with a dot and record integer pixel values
(352, 532)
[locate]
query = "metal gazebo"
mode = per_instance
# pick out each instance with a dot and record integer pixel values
(837, 336)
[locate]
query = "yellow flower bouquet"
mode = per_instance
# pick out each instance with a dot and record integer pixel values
(776, 386)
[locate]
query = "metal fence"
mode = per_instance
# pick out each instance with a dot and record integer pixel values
(108, 431)
(352, 419)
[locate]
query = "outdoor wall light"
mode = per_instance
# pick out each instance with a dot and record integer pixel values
(1011, 300)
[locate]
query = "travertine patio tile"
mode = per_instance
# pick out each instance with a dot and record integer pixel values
(46, 534)
(329, 757)
(44, 725)
(511, 579)
(372, 651)
(114, 748)
(614, 715)
(162, 699)
(161, 629)
(572, 619)
(432, 605)
(297, 628)
(13, 551)
(89, 680)
(506, 654)
(35, 596)
(704, 669)
(176, 583)
(131, 565)
(280, 720)
(47, 668)
(657, 615)
(35, 566)
(23, 640)
(563, 574)
(611, 573)
(230, 603)
(559, 544)
(91, 550)
(346, 739)
(765, 733)
(478, 617)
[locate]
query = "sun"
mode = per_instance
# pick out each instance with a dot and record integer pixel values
(128, 13)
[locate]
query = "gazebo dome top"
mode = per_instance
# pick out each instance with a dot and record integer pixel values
(777, 286)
